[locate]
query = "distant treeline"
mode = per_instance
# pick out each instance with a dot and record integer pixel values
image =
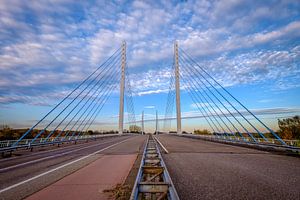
(289, 129)
(7, 133)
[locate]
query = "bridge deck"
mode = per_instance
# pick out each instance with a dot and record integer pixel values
(207, 170)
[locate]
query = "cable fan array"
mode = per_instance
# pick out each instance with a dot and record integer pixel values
(170, 102)
(78, 110)
(129, 100)
(224, 114)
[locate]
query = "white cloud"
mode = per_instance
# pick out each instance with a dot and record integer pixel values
(152, 92)
(212, 41)
(254, 66)
(51, 43)
(149, 107)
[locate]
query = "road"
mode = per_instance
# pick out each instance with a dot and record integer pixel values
(24, 175)
(206, 170)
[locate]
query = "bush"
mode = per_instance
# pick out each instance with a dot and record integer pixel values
(289, 128)
(202, 132)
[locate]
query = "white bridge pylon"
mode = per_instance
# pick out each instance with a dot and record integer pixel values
(177, 87)
(122, 87)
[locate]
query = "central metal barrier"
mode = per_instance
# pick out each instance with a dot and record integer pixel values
(153, 181)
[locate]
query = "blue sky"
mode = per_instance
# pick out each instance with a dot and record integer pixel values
(48, 47)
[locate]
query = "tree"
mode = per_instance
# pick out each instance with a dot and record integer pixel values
(134, 129)
(6, 133)
(289, 128)
(202, 132)
(90, 132)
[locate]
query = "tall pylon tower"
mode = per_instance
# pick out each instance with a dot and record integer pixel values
(122, 85)
(156, 124)
(177, 86)
(143, 131)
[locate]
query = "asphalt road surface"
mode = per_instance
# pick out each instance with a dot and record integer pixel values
(23, 175)
(206, 170)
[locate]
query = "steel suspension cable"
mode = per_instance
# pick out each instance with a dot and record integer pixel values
(202, 110)
(86, 95)
(97, 112)
(199, 85)
(170, 101)
(65, 98)
(225, 106)
(233, 117)
(206, 107)
(89, 122)
(129, 99)
(99, 87)
(274, 134)
(97, 105)
(224, 89)
(100, 105)
(105, 100)
(101, 97)
(205, 102)
(42, 131)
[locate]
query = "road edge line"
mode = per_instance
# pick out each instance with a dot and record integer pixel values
(164, 148)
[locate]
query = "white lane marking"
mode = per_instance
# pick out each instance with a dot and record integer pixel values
(57, 168)
(165, 149)
(48, 157)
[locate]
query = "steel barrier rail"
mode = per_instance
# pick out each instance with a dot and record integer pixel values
(153, 181)
(260, 141)
(271, 141)
(41, 143)
(8, 143)
(264, 145)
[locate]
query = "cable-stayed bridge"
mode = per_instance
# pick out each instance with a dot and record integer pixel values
(228, 164)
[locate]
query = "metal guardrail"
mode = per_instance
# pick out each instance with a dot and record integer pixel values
(273, 143)
(153, 180)
(259, 140)
(7, 145)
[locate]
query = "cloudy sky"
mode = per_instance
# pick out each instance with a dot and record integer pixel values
(48, 47)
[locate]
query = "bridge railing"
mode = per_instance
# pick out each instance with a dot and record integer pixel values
(294, 143)
(290, 144)
(7, 144)
(274, 141)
